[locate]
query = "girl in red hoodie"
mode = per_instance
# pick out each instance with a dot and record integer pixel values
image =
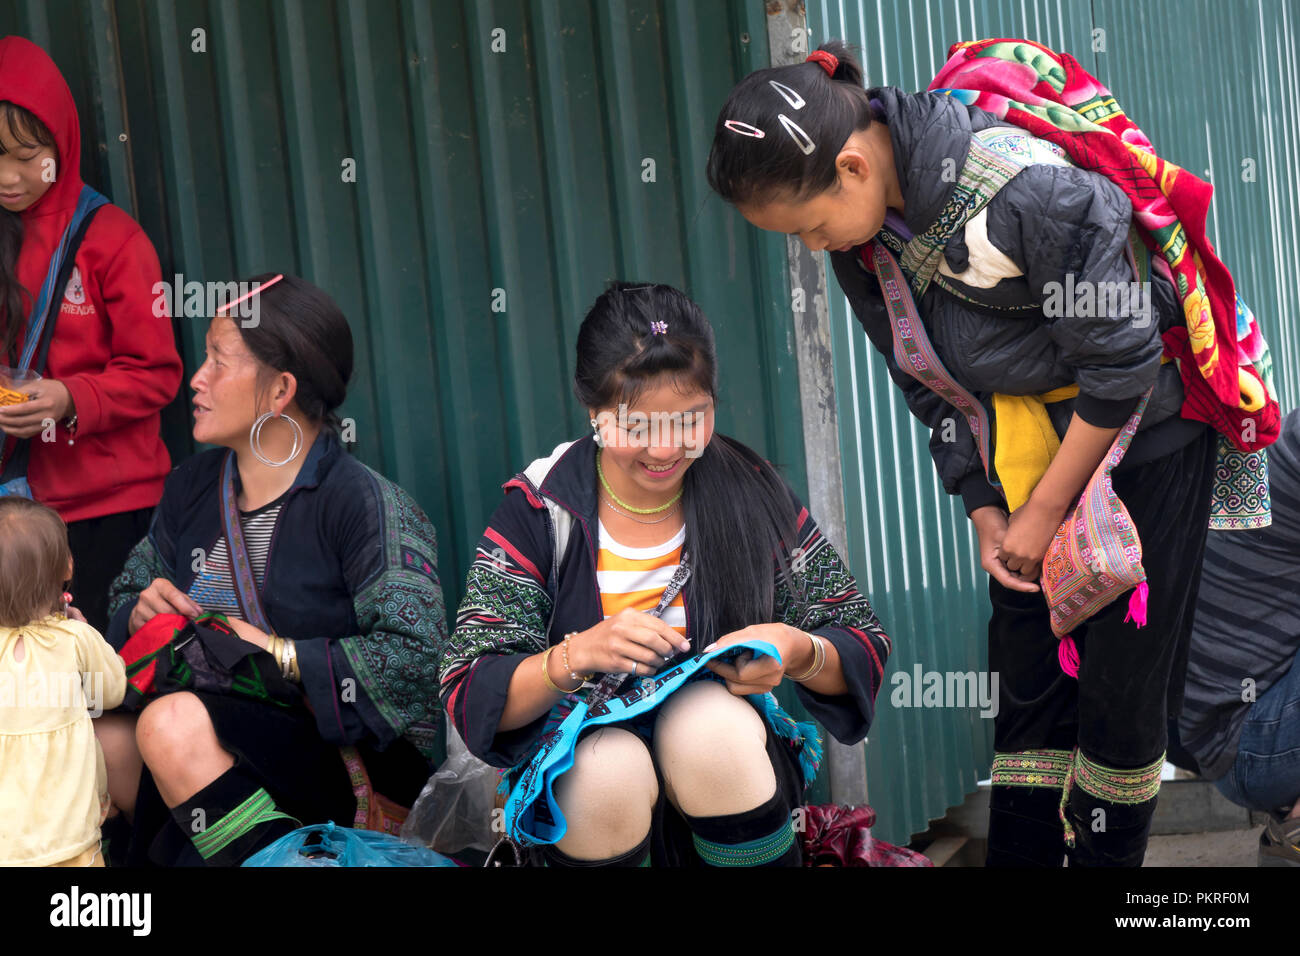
(112, 362)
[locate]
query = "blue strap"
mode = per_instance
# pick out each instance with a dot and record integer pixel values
(88, 200)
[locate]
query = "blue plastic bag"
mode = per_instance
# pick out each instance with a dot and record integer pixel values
(325, 844)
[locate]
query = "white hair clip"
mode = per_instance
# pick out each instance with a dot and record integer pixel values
(744, 129)
(801, 139)
(790, 96)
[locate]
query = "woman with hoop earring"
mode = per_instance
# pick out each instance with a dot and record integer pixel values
(332, 572)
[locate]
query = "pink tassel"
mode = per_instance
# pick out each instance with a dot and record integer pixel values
(1137, 606)
(1068, 656)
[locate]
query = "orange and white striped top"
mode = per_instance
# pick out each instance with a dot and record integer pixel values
(637, 577)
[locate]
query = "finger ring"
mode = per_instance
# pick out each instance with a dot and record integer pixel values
(634, 663)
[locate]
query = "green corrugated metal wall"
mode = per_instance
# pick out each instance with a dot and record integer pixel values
(523, 170)
(1211, 83)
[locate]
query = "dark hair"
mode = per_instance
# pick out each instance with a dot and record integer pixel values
(34, 557)
(743, 169)
(301, 330)
(738, 511)
(28, 132)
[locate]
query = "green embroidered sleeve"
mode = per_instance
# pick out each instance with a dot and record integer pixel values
(826, 602)
(383, 681)
(143, 565)
(503, 618)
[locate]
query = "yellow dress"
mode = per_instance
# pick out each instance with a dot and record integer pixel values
(53, 784)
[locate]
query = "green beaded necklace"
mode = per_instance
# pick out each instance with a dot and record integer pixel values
(622, 504)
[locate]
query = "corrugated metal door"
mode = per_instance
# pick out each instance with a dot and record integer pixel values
(1207, 105)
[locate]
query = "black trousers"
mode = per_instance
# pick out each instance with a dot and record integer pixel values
(99, 550)
(1130, 680)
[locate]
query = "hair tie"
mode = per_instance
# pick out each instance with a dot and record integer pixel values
(827, 60)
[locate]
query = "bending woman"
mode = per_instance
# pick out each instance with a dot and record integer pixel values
(703, 778)
(880, 164)
(344, 567)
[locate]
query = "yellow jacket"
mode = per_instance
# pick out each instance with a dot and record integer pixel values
(53, 785)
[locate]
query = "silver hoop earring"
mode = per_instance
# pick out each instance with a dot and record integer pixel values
(255, 439)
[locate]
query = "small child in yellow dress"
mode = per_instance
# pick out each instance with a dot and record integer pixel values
(55, 674)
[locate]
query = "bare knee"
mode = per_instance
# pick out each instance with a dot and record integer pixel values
(608, 797)
(711, 747)
(170, 727)
(179, 744)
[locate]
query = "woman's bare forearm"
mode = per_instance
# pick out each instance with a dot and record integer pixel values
(1082, 450)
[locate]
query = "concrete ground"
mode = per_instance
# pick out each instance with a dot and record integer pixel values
(1222, 848)
(1194, 826)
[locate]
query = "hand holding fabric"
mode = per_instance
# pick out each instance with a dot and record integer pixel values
(746, 674)
(161, 597)
(251, 633)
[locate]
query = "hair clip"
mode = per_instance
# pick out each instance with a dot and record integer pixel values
(248, 295)
(658, 328)
(744, 129)
(790, 96)
(826, 60)
(801, 139)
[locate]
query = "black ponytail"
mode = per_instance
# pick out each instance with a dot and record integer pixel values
(740, 519)
(744, 169)
(15, 300)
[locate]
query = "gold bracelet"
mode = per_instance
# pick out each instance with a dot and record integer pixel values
(818, 662)
(821, 661)
(546, 674)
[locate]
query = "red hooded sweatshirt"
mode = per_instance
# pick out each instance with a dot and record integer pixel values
(117, 359)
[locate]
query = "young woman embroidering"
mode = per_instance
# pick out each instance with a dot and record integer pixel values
(653, 498)
(989, 224)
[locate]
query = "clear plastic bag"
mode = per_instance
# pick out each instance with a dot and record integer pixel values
(455, 810)
(326, 844)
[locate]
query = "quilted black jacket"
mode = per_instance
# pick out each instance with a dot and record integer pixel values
(1050, 224)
